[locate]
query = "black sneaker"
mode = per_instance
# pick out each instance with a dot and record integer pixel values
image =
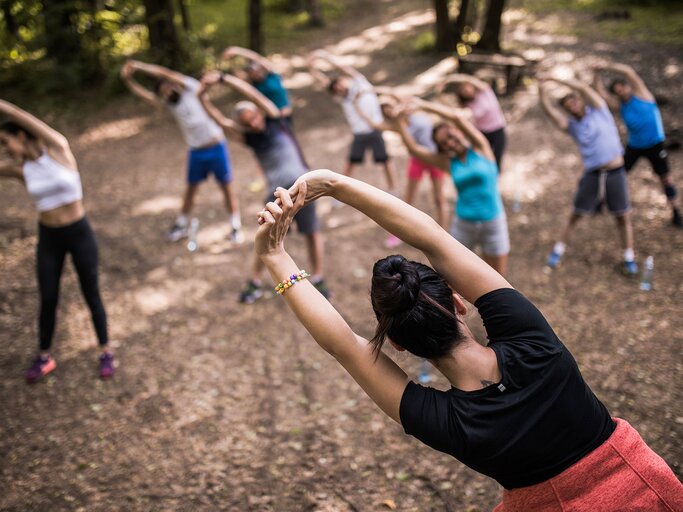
(251, 292)
(677, 220)
(322, 288)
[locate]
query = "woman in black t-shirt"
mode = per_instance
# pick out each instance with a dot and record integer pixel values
(518, 410)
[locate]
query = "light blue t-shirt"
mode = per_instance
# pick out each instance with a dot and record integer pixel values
(476, 180)
(597, 137)
(644, 123)
(271, 87)
(420, 126)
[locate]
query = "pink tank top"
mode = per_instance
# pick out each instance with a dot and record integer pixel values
(488, 116)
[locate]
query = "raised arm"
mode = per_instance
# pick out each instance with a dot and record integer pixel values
(557, 116)
(127, 72)
(418, 151)
(252, 94)
(589, 95)
(599, 86)
(232, 129)
(639, 87)
(379, 376)
(479, 142)
(54, 140)
(237, 51)
(461, 78)
(466, 273)
(332, 61)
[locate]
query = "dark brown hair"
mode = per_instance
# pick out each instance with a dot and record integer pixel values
(414, 308)
(15, 129)
(435, 130)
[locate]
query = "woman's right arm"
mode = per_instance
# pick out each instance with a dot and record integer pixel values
(460, 78)
(238, 51)
(466, 273)
(555, 114)
(50, 136)
(419, 151)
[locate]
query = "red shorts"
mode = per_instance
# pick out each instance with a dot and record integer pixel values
(623, 473)
(417, 167)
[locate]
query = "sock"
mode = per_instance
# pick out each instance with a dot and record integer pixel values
(181, 220)
(559, 248)
(629, 255)
(236, 220)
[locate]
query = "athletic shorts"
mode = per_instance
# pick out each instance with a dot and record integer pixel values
(491, 235)
(417, 167)
(214, 159)
(498, 140)
(307, 221)
(656, 154)
(598, 188)
(364, 141)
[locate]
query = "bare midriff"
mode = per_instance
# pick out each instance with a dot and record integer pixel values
(62, 215)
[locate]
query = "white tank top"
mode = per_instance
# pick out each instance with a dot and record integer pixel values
(51, 184)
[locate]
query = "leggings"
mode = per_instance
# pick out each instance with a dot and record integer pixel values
(498, 141)
(53, 245)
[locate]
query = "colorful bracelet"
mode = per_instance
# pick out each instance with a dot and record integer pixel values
(291, 281)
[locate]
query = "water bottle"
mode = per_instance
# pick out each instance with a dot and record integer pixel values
(646, 283)
(192, 235)
(516, 201)
(424, 376)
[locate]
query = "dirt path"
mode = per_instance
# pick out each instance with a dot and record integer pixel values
(222, 407)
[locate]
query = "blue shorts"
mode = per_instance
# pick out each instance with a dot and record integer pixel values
(200, 162)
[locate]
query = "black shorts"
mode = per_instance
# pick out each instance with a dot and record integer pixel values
(656, 154)
(306, 219)
(364, 141)
(597, 188)
(497, 140)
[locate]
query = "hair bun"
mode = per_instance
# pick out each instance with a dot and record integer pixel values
(395, 285)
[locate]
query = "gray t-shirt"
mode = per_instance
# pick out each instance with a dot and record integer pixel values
(420, 126)
(197, 127)
(278, 153)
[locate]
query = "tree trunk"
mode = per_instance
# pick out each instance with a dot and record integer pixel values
(163, 38)
(445, 42)
(10, 23)
(255, 34)
(490, 39)
(296, 6)
(461, 20)
(185, 15)
(62, 41)
(315, 13)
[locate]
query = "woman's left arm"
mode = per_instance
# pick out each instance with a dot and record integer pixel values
(382, 379)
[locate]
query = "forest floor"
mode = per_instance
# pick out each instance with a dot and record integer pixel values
(221, 406)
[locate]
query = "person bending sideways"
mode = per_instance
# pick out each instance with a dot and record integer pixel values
(208, 151)
(259, 125)
(585, 116)
(260, 73)
(360, 104)
(629, 94)
(518, 410)
(464, 152)
(478, 96)
(43, 161)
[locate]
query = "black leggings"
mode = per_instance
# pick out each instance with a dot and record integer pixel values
(53, 244)
(498, 140)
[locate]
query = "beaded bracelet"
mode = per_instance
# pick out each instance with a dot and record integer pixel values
(291, 281)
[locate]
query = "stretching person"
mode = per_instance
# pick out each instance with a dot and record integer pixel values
(420, 127)
(261, 74)
(208, 152)
(260, 126)
(518, 410)
(588, 120)
(642, 118)
(464, 152)
(43, 161)
(488, 117)
(360, 105)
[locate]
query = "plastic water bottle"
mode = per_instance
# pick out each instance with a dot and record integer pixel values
(192, 235)
(646, 283)
(424, 376)
(516, 201)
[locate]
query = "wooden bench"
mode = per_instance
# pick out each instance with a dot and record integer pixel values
(510, 67)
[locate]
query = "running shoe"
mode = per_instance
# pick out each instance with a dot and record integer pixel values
(177, 232)
(677, 220)
(107, 365)
(630, 268)
(251, 292)
(392, 242)
(323, 289)
(554, 259)
(237, 235)
(41, 366)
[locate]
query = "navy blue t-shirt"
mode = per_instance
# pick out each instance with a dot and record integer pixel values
(536, 422)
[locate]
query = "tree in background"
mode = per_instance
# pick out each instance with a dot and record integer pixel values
(164, 43)
(255, 31)
(490, 39)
